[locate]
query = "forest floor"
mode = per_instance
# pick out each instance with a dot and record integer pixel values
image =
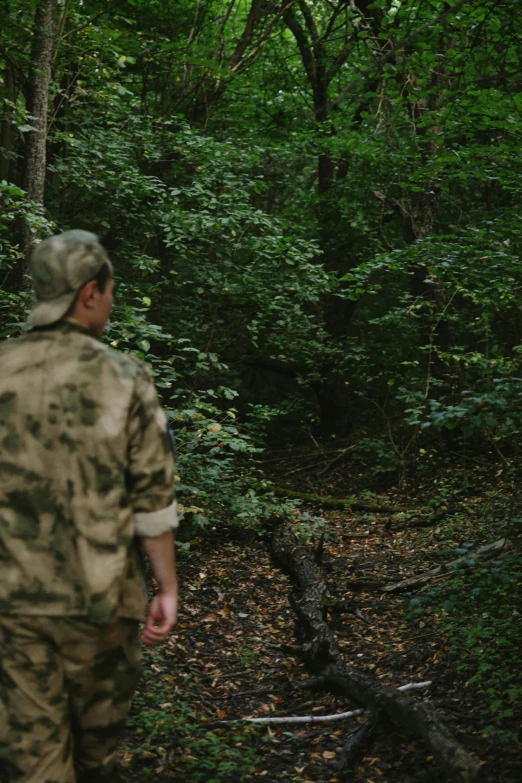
(229, 657)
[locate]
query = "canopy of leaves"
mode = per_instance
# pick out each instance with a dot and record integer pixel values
(313, 208)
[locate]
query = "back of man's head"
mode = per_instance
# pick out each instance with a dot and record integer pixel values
(60, 266)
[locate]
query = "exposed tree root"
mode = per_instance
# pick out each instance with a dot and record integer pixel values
(353, 745)
(324, 658)
(490, 550)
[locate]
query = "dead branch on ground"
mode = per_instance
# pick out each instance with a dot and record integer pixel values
(324, 658)
(411, 686)
(446, 569)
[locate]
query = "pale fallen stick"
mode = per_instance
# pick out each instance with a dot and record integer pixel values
(411, 686)
(300, 718)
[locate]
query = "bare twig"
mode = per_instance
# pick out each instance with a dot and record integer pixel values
(336, 461)
(432, 335)
(411, 686)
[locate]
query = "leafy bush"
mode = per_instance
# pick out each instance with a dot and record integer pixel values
(477, 611)
(14, 208)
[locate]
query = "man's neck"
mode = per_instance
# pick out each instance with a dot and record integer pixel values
(75, 321)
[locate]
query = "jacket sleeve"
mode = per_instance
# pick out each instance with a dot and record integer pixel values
(150, 462)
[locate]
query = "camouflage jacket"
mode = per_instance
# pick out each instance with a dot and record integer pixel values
(85, 465)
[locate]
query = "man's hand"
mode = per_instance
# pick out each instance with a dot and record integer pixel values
(161, 618)
(163, 609)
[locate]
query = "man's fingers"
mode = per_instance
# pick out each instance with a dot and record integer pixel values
(151, 638)
(161, 618)
(153, 633)
(158, 625)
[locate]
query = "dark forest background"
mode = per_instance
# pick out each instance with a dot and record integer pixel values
(313, 210)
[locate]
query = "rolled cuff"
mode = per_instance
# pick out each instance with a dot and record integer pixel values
(155, 523)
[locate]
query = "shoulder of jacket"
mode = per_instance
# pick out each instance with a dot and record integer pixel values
(85, 349)
(125, 361)
(16, 344)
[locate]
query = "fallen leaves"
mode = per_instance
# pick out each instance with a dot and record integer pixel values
(226, 657)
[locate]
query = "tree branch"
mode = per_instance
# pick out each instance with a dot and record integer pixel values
(385, 58)
(303, 46)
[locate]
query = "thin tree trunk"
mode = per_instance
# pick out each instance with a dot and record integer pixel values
(6, 128)
(337, 313)
(37, 106)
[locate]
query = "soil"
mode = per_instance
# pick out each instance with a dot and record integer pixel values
(230, 658)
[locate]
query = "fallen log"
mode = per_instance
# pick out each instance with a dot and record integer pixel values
(490, 550)
(324, 658)
(328, 502)
(419, 520)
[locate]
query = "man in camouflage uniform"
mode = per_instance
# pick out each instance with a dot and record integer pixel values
(86, 485)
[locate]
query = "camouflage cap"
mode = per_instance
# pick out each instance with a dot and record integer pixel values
(60, 265)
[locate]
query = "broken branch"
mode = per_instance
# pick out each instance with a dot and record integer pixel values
(351, 746)
(446, 569)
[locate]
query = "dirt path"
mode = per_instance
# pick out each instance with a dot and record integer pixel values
(226, 661)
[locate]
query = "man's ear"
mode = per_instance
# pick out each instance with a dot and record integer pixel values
(87, 294)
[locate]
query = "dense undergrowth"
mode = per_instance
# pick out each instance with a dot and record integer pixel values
(475, 614)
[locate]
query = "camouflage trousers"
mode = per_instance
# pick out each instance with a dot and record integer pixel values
(65, 690)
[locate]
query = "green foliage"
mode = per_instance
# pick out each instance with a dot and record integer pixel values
(359, 265)
(216, 449)
(471, 385)
(477, 611)
(15, 208)
(165, 729)
(220, 232)
(378, 455)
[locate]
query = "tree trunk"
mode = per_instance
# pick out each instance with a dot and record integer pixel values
(37, 98)
(6, 128)
(320, 69)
